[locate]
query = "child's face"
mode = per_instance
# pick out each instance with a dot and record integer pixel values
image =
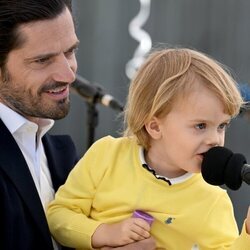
(194, 125)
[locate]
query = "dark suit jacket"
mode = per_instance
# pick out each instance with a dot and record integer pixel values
(23, 224)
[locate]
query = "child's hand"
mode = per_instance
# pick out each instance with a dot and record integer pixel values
(248, 221)
(147, 244)
(122, 233)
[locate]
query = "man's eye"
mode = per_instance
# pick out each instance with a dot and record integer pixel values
(200, 126)
(42, 60)
(71, 52)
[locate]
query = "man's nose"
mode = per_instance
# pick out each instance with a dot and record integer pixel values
(65, 70)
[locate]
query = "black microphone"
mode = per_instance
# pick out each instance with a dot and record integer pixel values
(221, 166)
(95, 93)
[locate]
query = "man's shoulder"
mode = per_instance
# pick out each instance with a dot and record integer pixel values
(62, 145)
(58, 140)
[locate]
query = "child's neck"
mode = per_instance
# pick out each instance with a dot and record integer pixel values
(160, 166)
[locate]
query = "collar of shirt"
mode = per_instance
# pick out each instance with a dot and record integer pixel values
(170, 181)
(17, 123)
(22, 129)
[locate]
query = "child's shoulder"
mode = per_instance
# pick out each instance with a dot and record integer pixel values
(115, 141)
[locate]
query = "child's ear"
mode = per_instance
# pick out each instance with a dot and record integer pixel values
(153, 128)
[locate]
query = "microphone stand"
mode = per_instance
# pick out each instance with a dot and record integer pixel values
(93, 95)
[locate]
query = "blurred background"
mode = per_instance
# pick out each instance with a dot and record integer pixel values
(218, 28)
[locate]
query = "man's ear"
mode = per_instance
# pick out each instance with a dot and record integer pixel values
(153, 128)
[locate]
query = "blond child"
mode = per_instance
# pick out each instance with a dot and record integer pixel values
(179, 106)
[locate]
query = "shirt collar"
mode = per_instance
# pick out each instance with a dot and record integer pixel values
(15, 121)
(170, 181)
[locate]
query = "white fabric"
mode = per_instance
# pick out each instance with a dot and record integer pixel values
(28, 136)
(172, 181)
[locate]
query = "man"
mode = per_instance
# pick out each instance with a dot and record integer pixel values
(37, 66)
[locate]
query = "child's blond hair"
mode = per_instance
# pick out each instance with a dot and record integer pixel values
(167, 74)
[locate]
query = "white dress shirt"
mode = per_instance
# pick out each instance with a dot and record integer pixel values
(28, 136)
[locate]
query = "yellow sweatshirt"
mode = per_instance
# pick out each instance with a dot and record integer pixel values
(109, 183)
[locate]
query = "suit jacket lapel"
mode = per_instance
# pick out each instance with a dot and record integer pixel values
(14, 165)
(61, 155)
(51, 154)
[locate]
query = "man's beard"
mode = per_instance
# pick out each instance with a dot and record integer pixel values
(23, 102)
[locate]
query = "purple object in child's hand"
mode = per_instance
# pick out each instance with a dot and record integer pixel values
(140, 214)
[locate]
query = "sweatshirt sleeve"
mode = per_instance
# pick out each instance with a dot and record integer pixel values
(68, 215)
(221, 222)
(243, 241)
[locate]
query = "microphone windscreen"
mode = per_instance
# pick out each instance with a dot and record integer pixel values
(221, 166)
(214, 162)
(233, 178)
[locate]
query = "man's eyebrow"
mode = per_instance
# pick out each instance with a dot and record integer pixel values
(48, 55)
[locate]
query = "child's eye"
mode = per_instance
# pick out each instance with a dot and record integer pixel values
(223, 126)
(200, 126)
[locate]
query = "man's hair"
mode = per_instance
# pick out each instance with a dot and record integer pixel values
(167, 75)
(14, 13)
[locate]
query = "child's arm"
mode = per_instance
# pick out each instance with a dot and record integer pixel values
(147, 244)
(121, 233)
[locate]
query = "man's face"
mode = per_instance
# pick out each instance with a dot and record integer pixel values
(36, 79)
